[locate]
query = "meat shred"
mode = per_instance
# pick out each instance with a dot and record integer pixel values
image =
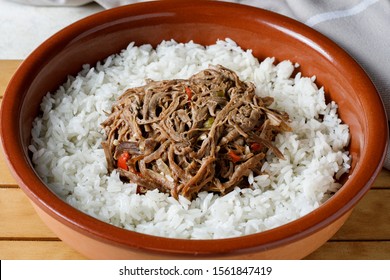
(182, 137)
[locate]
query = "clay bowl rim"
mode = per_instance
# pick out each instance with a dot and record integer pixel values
(338, 205)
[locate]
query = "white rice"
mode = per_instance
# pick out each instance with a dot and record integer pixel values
(67, 152)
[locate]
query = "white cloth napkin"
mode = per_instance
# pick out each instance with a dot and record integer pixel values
(361, 27)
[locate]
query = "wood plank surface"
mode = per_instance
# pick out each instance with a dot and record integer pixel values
(56, 250)
(370, 220)
(365, 235)
(383, 180)
(357, 250)
(6, 179)
(7, 69)
(37, 250)
(18, 219)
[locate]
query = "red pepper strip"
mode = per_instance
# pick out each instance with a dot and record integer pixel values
(122, 160)
(256, 147)
(234, 157)
(189, 93)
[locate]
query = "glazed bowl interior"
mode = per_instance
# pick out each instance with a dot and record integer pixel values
(267, 34)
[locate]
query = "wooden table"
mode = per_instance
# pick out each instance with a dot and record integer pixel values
(366, 234)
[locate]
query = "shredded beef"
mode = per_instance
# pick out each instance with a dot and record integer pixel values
(206, 133)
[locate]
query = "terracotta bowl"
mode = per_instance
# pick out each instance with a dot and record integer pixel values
(267, 34)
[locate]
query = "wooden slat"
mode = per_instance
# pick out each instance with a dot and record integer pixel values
(18, 218)
(6, 179)
(45, 250)
(37, 250)
(383, 179)
(370, 220)
(7, 69)
(366, 250)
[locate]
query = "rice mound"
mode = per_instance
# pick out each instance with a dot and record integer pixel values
(67, 153)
